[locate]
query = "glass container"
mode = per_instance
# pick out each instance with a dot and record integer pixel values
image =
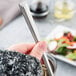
(64, 9)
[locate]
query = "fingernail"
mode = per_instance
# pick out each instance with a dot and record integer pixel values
(42, 45)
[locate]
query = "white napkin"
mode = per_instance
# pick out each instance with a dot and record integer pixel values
(9, 10)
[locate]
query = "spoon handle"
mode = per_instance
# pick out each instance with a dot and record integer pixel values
(34, 31)
(29, 20)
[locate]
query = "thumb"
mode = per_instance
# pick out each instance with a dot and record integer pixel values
(39, 49)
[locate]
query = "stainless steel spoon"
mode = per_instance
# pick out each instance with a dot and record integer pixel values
(34, 31)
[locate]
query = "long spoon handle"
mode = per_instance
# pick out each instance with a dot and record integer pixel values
(34, 31)
(30, 22)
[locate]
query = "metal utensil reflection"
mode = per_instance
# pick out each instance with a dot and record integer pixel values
(47, 64)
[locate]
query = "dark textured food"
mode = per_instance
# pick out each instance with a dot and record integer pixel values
(17, 64)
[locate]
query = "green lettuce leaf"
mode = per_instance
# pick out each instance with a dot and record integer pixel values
(72, 56)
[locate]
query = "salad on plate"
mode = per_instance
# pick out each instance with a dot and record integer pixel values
(65, 46)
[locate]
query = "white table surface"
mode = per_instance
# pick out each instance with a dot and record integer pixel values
(18, 32)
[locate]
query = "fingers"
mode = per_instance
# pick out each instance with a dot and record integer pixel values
(35, 50)
(39, 49)
(1, 21)
(22, 48)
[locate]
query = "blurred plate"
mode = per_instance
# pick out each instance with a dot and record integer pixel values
(56, 33)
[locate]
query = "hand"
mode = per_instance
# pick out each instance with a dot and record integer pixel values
(35, 50)
(1, 21)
